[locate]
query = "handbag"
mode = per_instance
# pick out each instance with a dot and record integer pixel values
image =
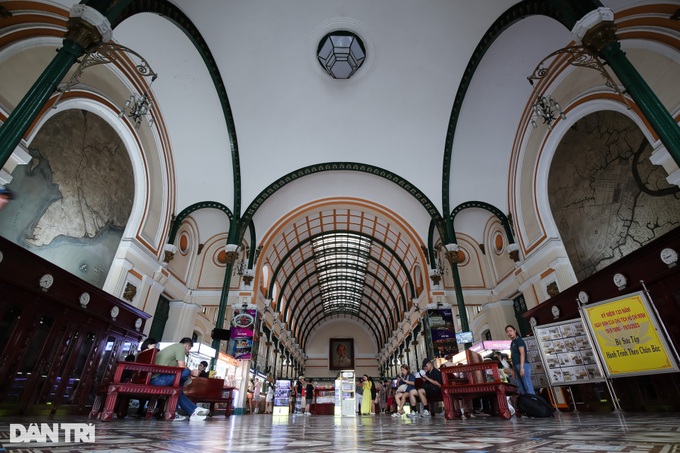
(402, 388)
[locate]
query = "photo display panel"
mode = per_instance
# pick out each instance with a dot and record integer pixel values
(568, 356)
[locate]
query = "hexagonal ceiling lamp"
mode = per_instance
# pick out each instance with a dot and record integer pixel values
(341, 54)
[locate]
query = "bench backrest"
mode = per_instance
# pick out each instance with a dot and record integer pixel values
(204, 387)
(149, 357)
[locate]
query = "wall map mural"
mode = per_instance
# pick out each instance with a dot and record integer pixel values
(74, 198)
(607, 198)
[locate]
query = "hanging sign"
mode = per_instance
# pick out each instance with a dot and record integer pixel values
(442, 331)
(242, 332)
(628, 337)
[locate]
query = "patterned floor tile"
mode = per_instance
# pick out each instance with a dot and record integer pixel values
(566, 433)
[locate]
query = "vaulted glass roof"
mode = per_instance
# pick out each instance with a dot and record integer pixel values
(341, 260)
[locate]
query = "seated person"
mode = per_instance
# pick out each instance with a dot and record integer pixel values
(405, 389)
(175, 355)
(432, 386)
(203, 369)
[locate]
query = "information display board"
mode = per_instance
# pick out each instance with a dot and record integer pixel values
(628, 337)
(568, 355)
(281, 397)
(538, 377)
(347, 393)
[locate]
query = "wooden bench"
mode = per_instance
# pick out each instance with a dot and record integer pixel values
(138, 386)
(476, 380)
(209, 390)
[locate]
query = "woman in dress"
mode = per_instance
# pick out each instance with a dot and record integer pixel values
(366, 400)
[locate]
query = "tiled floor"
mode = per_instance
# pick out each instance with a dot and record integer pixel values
(570, 432)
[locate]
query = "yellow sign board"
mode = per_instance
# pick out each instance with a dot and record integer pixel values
(628, 338)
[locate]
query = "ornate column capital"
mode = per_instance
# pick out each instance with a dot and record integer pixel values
(596, 30)
(88, 27)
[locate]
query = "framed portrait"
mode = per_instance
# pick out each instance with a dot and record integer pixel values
(341, 354)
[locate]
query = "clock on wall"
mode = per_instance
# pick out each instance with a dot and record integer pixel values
(533, 322)
(555, 311)
(46, 282)
(114, 312)
(84, 299)
(138, 323)
(669, 256)
(620, 280)
(583, 297)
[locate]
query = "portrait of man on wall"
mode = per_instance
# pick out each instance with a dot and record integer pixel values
(341, 354)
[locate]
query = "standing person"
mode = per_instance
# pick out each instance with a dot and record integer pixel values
(309, 396)
(366, 400)
(359, 397)
(175, 355)
(374, 395)
(405, 389)
(293, 392)
(432, 387)
(5, 196)
(382, 397)
(298, 394)
(518, 355)
(269, 399)
(255, 398)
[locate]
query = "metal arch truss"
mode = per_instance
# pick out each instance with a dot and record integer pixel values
(577, 56)
(105, 53)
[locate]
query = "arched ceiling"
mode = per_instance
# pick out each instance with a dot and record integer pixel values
(245, 104)
(342, 261)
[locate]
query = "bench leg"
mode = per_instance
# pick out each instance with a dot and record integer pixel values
(503, 409)
(448, 406)
(96, 406)
(109, 406)
(172, 407)
(151, 407)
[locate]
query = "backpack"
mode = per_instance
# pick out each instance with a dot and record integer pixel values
(534, 406)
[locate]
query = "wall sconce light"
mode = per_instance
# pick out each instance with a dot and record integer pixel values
(452, 252)
(513, 251)
(170, 251)
(231, 251)
(137, 107)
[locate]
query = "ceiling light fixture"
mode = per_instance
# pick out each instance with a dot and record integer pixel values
(137, 107)
(546, 109)
(341, 54)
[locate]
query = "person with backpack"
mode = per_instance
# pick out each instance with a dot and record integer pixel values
(518, 355)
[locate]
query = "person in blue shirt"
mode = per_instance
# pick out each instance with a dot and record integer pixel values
(518, 355)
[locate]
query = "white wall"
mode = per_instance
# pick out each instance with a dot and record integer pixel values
(317, 348)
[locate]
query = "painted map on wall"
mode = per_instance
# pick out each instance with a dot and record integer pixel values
(74, 198)
(607, 198)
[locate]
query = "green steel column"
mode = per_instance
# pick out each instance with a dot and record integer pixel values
(25, 113)
(224, 296)
(661, 121)
(460, 301)
(80, 37)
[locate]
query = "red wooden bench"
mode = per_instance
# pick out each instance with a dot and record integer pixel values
(138, 386)
(209, 390)
(476, 380)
